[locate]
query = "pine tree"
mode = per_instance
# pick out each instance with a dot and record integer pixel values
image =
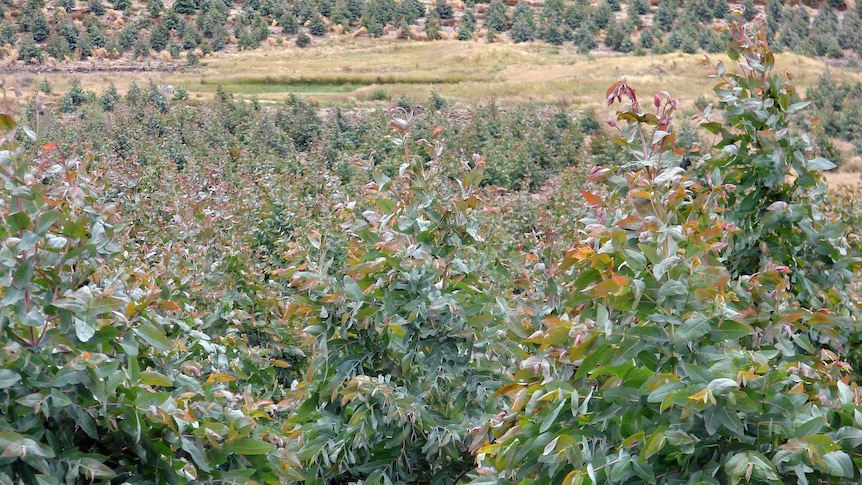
(496, 16)
(444, 10)
(666, 15)
(97, 8)
(640, 7)
(288, 23)
(523, 24)
(185, 7)
(317, 26)
(433, 26)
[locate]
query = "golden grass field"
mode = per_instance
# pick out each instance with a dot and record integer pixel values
(342, 69)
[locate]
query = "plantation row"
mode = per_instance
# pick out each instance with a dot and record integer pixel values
(227, 293)
(189, 29)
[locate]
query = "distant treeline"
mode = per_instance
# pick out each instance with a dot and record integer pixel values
(34, 31)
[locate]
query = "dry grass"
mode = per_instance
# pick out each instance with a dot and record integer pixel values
(341, 69)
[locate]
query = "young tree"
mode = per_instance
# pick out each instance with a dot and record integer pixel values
(288, 23)
(433, 26)
(496, 16)
(185, 7)
(29, 51)
(467, 26)
(523, 23)
(640, 7)
(97, 8)
(444, 10)
(666, 14)
(159, 37)
(155, 8)
(317, 26)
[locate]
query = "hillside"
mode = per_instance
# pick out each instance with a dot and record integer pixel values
(127, 35)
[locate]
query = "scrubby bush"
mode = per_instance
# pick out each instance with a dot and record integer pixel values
(693, 316)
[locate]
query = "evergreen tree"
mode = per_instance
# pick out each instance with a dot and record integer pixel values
(185, 7)
(444, 10)
(69, 32)
(95, 35)
(372, 25)
(750, 10)
(585, 39)
(97, 8)
(191, 38)
(720, 9)
(602, 16)
(700, 11)
(465, 31)
(303, 10)
(8, 33)
(303, 40)
(29, 52)
(341, 14)
(552, 18)
(666, 15)
(851, 27)
(84, 46)
(433, 26)
(155, 7)
(614, 35)
(317, 26)
(109, 98)
(324, 7)
(575, 15)
(496, 16)
(647, 40)
(640, 7)
(288, 23)
(523, 24)
(414, 8)
(159, 37)
(57, 47)
(356, 8)
(128, 37)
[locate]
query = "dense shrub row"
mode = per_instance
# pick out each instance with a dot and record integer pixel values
(524, 145)
(194, 28)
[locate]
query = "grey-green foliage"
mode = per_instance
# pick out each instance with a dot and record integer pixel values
(405, 361)
(496, 16)
(523, 23)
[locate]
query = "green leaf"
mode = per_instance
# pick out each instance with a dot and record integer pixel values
(848, 437)
(194, 450)
(47, 480)
(692, 329)
(551, 418)
(248, 446)
(352, 290)
(622, 468)
(8, 378)
(18, 221)
(730, 330)
(154, 335)
(654, 444)
(93, 468)
(810, 427)
(838, 464)
(83, 330)
(153, 378)
(821, 163)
